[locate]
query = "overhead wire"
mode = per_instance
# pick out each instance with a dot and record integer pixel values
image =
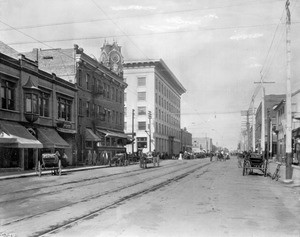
(136, 16)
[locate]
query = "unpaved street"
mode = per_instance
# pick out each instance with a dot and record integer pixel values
(179, 198)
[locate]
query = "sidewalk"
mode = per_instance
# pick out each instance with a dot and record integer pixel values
(30, 173)
(295, 181)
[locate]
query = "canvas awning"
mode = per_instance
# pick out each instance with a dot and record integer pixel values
(14, 135)
(50, 138)
(109, 133)
(90, 136)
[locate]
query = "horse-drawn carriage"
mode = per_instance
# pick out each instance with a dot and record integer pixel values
(49, 161)
(255, 161)
(149, 159)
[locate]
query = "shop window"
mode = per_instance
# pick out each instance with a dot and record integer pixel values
(141, 142)
(88, 144)
(8, 95)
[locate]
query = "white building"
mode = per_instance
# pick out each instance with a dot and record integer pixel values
(154, 94)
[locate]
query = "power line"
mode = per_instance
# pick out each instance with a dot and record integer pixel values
(149, 34)
(135, 16)
(119, 28)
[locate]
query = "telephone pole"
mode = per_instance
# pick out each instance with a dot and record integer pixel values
(288, 133)
(132, 130)
(253, 125)
(150, 117)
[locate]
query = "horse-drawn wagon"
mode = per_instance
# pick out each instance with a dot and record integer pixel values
(149, 159)
(49, 161)
(255, 161)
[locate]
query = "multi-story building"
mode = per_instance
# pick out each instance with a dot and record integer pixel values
(37, 113)
(202, 143)
(270, 120)
(186, 140)
(152, 107)
(100, 97)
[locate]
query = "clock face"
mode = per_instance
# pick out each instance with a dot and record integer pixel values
(115, 57)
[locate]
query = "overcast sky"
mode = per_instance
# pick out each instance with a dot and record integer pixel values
(216, 48)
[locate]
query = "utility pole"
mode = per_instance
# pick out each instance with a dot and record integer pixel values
(288, 133)
(150, 117)
(253, 125)
(268, 131)
(248, 131)
(132, 130)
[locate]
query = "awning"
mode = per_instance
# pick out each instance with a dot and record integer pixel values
(64, 130)
(90, 136)
(50, 138)
(109, 133)
(14, 135)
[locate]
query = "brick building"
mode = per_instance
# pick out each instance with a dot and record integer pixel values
(36, 110)
(100, 97)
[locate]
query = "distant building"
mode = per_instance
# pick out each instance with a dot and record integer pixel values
(186, 140)
(152, 107)
(202, 143)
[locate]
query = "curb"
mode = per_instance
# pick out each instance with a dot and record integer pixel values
(26, 175)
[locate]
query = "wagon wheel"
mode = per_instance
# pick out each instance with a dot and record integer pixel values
(246, 167)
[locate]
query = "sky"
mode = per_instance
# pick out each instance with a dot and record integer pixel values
(217, 49)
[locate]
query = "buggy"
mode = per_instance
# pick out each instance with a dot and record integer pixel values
(149, 158)
(255, 161)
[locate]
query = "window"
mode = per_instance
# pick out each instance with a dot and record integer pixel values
(141, 96)
(8, 95)
(87, 80)
(141, 81)
(80, 106)
(141, 142)
(31, 103)
(80, 77)
(142, 110)
(141, 125)
(87, 109)
(44, 104)
(64, 109)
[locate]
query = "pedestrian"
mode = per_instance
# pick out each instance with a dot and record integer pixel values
(211, 156)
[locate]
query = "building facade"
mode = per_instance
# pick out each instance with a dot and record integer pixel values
(202, 144)
(152, 107)
(270, 121)
(100, 98)
(37, 114)
(186, 140)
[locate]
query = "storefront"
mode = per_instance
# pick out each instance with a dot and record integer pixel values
(111, 143)
(52, 141)
(18, 147)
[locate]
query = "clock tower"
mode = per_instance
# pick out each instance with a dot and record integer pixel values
(111, 57)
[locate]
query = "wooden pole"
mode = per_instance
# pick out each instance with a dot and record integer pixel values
(288, 146)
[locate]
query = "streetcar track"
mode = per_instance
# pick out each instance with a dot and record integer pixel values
(96, 196)
(70, 183)
(68, 224)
